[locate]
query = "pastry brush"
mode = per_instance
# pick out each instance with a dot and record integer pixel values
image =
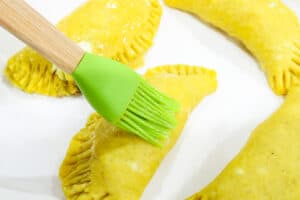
(114, 90)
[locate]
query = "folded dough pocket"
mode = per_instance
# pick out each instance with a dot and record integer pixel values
(268, 166)
(103, 162)
(118, 29)
(268, 28)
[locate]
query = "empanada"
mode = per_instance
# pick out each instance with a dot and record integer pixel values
(103, 162)
(267, 168)
(119, 29)
(268, 28)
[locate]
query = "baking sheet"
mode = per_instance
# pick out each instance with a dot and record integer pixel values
(35, 130)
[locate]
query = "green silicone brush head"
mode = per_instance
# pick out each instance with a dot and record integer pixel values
(125, 99)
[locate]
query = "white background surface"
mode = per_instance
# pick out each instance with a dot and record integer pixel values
(35, 131)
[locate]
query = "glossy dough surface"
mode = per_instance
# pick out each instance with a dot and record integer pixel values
(103, 162)
(268, 28)
(268, 166)
(119, 29)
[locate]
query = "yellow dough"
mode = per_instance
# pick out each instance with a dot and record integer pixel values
(268, 166)
(268, 28)
(103, 162)
(119, 29)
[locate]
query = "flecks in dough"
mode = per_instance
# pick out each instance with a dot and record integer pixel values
(103, 162)
(120, 29)
(268, 166)
(268, 28)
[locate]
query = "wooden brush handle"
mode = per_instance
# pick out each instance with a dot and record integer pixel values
(29, 26)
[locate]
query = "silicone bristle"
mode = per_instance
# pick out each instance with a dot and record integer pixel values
(150, 115)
